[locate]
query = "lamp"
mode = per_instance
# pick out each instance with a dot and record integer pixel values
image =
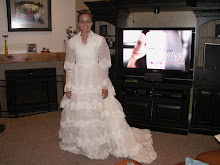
(156, 10)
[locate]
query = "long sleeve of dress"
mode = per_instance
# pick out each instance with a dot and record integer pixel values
(105, 63)
(68, 65)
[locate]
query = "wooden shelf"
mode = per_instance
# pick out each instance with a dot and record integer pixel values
(32, 57)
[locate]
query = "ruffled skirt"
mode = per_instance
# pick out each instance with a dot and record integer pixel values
(96, 127)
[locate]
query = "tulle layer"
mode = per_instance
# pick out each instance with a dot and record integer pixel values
(96, 127)
(101, 130)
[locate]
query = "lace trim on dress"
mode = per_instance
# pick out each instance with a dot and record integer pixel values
(95, 105)
(113, 111)
(93, 151)
(64, 102)
(86, 89)
(89, 147)
(80, 90)
(105, 63)
(93, 89)
(69, 65)
(105, 83)
(79, 124)
(67, 87)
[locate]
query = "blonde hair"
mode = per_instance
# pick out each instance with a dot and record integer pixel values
(84, 11)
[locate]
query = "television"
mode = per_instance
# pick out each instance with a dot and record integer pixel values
(164, 51)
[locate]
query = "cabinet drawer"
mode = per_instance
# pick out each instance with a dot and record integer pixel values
(42, 73)
(207, 78)
(138, 110)
(170, 113)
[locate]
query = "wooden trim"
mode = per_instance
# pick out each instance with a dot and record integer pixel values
(32, 57)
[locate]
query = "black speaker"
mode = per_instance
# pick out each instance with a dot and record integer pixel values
(158, 77)
(217, 30)
(211, 56)
(103, 30)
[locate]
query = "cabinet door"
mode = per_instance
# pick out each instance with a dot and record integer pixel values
(215, 109)
(137, 111)
(170, 113)
(206, 112)
(202, 104)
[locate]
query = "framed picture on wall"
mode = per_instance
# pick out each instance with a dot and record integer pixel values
(31, 48)
(29, 15)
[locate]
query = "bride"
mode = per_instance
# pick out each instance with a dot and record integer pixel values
(92, 121)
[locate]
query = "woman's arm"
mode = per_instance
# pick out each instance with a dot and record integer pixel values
(105, 64)
(68, 67)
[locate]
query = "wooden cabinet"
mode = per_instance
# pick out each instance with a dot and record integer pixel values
(157, 106)
(206, 97)
(165, 106)
(31, 90)
(170, 112)
(138, 112)
(206, 113)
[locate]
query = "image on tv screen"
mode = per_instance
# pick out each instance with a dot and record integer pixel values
(157, 49)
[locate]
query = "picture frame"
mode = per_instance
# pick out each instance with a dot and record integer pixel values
(29, 15)
(31, 48)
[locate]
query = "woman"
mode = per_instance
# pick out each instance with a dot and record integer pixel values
(150, 50)
(138, 57)
(92, 120)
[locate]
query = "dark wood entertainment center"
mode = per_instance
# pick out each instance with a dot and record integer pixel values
(164, 106)
(159, 106)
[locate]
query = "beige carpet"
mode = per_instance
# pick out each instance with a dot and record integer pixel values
(33, 140)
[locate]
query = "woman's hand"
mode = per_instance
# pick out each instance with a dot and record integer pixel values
(68, 94)
(104, 93)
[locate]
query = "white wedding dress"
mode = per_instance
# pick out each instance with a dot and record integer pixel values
(90, 125)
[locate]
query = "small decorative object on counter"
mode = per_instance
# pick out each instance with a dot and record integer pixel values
(31, 48)
(110, 42)
(45, 50)
(6, 46)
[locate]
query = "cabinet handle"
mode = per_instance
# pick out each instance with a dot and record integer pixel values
(194, 104)
(152, 109)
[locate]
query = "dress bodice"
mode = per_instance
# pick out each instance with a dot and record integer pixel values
(84, 55)
(87, 53)
(92, 56)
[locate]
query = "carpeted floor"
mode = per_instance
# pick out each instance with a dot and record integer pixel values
(33, 140)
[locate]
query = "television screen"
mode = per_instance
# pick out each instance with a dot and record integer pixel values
(165, 49)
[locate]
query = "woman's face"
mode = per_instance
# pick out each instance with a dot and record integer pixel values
(85, 23)
(140, 47)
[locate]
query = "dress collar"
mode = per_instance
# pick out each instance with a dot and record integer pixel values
(90, 35)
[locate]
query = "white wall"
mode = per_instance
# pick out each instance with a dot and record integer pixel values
(63, 15)
(163, 19)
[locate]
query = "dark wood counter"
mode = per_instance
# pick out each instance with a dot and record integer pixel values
(32, 57)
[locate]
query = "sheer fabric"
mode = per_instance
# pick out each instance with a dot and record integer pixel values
(90, 125)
